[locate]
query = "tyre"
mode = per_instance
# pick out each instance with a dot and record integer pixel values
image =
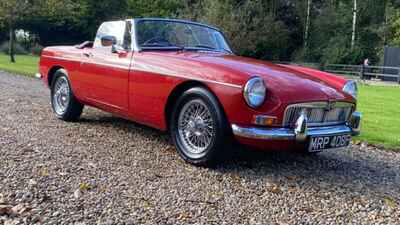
(64, 104)
(199, 128)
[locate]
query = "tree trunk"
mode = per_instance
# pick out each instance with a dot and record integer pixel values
(11, 49)
(308, 22)
(353, 36)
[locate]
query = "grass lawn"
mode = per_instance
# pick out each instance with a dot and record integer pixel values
(380, 105)
(381, 115)
(25, 64)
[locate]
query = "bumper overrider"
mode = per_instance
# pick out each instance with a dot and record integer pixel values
(301, 131)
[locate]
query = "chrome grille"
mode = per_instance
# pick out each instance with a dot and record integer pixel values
(319, 113)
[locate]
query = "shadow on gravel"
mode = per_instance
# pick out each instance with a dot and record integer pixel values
(350, 169)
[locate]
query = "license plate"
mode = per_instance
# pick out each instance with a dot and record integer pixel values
(320, 143)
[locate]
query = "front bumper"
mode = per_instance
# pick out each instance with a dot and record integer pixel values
(300, 132)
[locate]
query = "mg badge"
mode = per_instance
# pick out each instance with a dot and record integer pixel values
(330, 106)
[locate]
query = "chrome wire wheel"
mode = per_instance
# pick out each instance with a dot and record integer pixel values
(61, 95)
(196, 128)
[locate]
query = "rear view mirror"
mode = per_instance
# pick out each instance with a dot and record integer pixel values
(108, 40)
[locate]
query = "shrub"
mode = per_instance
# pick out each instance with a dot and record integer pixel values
(36, 50)
(4, 48)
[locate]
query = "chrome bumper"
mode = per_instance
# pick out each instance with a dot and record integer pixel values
(300, 132)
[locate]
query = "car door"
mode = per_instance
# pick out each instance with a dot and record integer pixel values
(105, 68)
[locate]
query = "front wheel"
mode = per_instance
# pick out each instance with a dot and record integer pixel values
(64, 104)
(198, 127)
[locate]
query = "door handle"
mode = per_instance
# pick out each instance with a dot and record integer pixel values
(88, 54)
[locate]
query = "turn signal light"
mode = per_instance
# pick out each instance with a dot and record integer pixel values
(264, 120)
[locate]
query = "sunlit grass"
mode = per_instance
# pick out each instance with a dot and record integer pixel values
(25, 64)
(381, 115)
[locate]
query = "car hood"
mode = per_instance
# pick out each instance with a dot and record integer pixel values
(292, 83)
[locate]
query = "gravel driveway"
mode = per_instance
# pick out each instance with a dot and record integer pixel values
(106, 170)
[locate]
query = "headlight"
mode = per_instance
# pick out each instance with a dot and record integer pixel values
(254, 92)
(351, 88)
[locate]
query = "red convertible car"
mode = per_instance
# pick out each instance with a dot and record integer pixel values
(182, 77)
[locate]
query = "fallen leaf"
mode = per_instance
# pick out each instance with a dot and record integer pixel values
(274, 189)
(390, 202)
(84, 186)
(146, 204)
(44, 172)
(183, 216)
(5, 210)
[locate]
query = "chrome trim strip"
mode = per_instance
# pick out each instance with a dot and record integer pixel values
(150, 71)
(285, 133)
(170, 74)
(96, 63)
(263, 134)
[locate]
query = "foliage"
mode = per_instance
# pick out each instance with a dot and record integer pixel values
(19, 49)
(36, 50)
(396, 29)
(266, 29)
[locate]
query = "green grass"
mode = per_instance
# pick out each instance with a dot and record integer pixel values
(25, 64)
(381, 115)
(380, 105)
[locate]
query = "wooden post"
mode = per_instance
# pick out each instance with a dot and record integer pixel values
(398, 75)
(362, 71)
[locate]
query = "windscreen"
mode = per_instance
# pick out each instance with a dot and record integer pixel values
(158, 34)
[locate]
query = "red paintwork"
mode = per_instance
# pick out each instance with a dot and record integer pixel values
(137, 85)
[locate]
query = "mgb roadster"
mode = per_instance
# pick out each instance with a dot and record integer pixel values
(182, 77)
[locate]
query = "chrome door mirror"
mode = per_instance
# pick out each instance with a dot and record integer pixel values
(117, 49)
(108, 40)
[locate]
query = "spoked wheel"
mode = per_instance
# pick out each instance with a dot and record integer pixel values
(64, 104)
(198, 127)
(61, 95)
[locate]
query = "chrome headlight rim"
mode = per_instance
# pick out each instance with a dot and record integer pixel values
(249, 87)
(351, 88)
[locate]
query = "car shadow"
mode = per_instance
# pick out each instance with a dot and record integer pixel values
(351, 169)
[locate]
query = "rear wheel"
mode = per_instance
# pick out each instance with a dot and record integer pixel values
(198, 127)
(64, 104)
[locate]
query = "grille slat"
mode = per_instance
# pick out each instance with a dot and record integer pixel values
(319, 113)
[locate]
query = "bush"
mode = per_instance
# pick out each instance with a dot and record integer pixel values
(250, 26)
(37, 50)
(337, 52)
(4, 48)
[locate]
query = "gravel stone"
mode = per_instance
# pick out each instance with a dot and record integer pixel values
(131, 174)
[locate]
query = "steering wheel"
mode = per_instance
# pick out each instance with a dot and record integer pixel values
(157, 40)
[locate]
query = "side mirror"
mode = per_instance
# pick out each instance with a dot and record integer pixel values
(108, 40)
(119, 50)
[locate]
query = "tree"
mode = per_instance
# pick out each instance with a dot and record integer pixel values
(308, 23)
(12, 12)
(353, 35)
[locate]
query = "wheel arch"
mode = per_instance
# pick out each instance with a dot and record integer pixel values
(179, 90)
(51, 73)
